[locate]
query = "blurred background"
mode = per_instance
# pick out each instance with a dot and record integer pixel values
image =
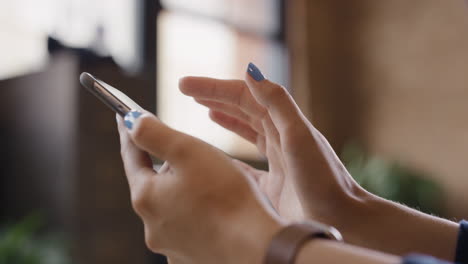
(385, 81)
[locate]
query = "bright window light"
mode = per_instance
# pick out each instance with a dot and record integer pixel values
(201, 47)
(26, 24)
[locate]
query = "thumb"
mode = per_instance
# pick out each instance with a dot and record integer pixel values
(151, 135)
(275, 98)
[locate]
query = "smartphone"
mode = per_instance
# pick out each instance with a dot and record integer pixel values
(110, 96)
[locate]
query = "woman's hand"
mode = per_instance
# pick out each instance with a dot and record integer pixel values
(306, 180)
(199, 207)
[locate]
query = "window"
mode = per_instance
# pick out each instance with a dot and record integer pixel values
(216, 39)
(110, 27)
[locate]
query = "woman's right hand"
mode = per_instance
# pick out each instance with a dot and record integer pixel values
(199, 207)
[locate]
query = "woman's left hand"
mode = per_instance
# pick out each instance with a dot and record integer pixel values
(199, 207)
(306, 179)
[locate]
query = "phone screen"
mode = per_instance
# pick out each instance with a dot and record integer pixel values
(121, 96)
(112, 97)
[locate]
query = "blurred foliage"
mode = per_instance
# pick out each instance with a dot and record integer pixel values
(21, 243)
(393, 181)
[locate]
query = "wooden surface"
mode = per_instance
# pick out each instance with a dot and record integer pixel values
(391, 75)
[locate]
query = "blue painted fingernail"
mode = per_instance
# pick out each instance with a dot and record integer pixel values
(130, 118)
(255, 73)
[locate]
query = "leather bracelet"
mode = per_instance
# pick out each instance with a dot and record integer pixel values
(286, 243)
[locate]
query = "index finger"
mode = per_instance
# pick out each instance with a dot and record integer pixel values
(233, 92)
(284, 112)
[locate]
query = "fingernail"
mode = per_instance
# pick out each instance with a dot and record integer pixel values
(130, 118)
(255, 73)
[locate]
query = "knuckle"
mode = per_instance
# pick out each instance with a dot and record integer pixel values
(276, 92)
(183, 148)
(141, 202)
(141, 131)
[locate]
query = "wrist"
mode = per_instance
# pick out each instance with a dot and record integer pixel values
(237, 240)
(374, 222)
(286, 244)
(352, 213)
(249, 236)
(256, 240)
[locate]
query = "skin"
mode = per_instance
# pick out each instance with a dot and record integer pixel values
(185, 218)
(306, 179)
(190, 221)
(323, 251)
(228, 220)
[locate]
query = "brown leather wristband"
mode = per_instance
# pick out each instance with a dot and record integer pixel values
(287, 242)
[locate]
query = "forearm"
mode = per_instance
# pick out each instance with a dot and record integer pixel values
(391, 227)
(325, 251)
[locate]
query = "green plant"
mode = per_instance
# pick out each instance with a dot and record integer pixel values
(393, 181)
(20, 243)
